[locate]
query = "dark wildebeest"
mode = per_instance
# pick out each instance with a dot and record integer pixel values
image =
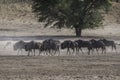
(50, 46)
(32, 46)
(20, 45)
(97, 44)
(84, 44)
(56, 46)
(46, 47)
(38, 46)
(69, 45)
(76, 47)
(109, 43)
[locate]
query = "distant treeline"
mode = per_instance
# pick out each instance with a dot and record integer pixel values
(14, 1)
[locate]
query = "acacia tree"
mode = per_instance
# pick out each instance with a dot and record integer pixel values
(77, 14)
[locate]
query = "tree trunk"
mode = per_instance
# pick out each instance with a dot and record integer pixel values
(78, 32)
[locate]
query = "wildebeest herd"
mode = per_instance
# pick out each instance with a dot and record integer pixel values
(54, 47)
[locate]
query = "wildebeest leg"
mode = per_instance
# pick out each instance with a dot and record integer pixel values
(21, 52)
(34, 51)
(88, 51)
(92, 50)
(28, 52)
(46, 52)
(114, 46)
(81, 50)
(77, 50)
(31, 52)
(18, 52)
(49, 51)
(52, 52)
(58, 52)
(68, 51)
(97, 51)
(102, 50)
(55, 52)
(105, 50)
(73, 50)
(39, 51)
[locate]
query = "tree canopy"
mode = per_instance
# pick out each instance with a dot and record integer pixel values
(78, 14)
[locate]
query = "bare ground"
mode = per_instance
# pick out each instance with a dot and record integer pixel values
(102, 67)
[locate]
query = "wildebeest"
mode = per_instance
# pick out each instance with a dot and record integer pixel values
(50, 46)
(97, 44)
(69, 45)
(32, 46)
(20, 45)
(109, 43)
(56, 46)
(84, 44)
(76, 47)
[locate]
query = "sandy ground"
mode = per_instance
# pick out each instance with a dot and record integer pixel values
(94, 67)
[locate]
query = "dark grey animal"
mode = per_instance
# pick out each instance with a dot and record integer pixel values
(38, 46)
(97, 44)
(50, 46)
(84, 44)
(56, 46)
(19, 46)
(76, 47)
(109, 43)
(69, 45)
(32, 46)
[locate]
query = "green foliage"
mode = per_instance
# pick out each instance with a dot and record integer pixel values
(71, 13)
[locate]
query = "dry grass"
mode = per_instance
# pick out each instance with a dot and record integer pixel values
(17, 12)
(113, 15)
